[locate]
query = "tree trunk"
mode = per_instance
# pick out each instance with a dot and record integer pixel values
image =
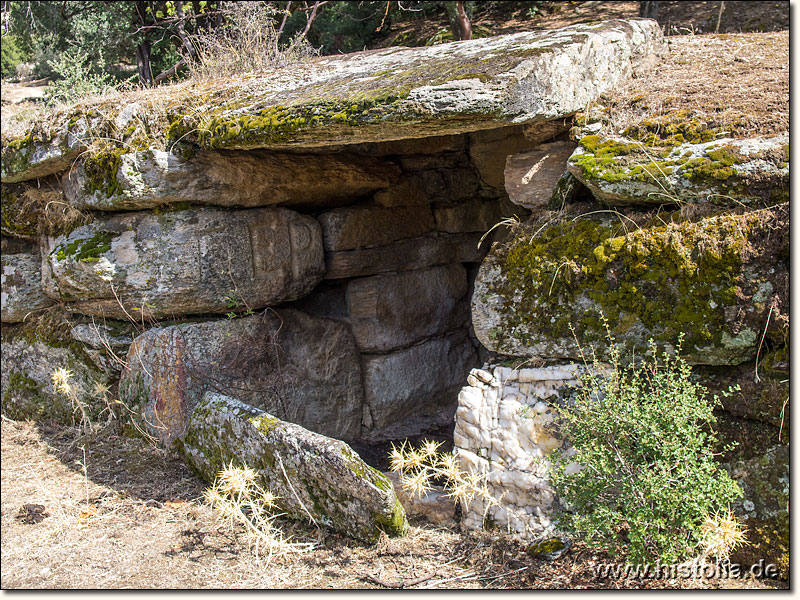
(648, 10)
(143, 63)
(464, 26)
(459, 21)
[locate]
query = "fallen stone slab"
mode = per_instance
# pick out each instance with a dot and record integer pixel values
(415, 253)
(411, 389)
(315, 477)
(387, 312)
(720, 281)
(373, 96)
(532, 177)
(151, 178)
(21, 281)
(621, 171)
(304, 369)
(184, 262)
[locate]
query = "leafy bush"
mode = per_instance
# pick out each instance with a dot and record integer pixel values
(76, 78)
(12, 55)
(648, 479)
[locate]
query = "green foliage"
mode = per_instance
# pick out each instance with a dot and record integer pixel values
(340, 26)
(649, 478)
(12, 55)
(76, 78)
(98, 32)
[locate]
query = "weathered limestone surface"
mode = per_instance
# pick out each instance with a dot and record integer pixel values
(391, 311)
(28, 391)
(764, 508)
(506, 426)
(435, 505)
(621, 171)
(315, 477)
(21, 282)
(714, 280)
(106, 343)
(304, 369)
(403, 394)
(44, 152)
(151, 178)
(531, 177)
(382, 95)
(415, 253)
(184, 262)
(355, 227)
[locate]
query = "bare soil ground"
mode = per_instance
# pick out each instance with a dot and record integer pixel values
(115, 512)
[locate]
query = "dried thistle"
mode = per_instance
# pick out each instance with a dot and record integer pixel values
(721, 534)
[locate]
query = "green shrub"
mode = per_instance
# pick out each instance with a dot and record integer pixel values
(649, 479)
(76, 78)
(11, 56)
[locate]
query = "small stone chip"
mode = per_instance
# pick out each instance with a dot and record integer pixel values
(31, 514)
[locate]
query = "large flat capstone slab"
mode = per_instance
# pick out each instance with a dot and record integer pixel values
(375, 96)
(315, 477)
(191, 261)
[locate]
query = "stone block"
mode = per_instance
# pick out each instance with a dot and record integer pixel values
(392, 311)
(184, 262)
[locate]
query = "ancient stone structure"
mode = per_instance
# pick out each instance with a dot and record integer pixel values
(505, 430)
(327, 252)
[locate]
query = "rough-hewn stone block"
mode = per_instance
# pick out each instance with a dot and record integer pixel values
(314, 477)
(404, 394)
(414, 253)
(184, 262)
(368, 226)
(303, 369)
(392, 311)
(531, 177)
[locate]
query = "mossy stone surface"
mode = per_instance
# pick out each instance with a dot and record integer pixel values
(653, 170)
(315, 477)
(371, 96)
(713, 280)
(31, 353)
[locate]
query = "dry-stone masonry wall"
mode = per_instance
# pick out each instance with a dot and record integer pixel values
(506, 426)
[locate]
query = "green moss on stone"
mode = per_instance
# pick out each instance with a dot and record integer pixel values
(676, 278)
(673, 128)
(395, 524)
(17, 218)
(101, 169)
(264, 423)
(85, 250)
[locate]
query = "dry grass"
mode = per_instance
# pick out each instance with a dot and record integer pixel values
(137, 520)
(738, 82)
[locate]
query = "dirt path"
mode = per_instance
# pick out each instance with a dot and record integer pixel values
(135, 519)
